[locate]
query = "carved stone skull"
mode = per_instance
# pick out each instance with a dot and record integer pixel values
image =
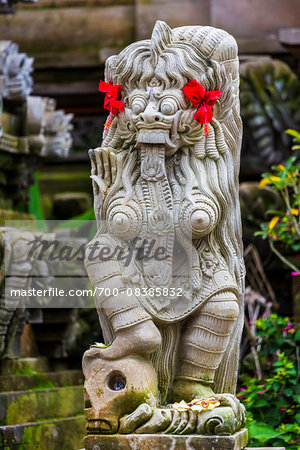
(115, 388)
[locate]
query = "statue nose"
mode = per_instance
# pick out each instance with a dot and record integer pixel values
(151, 115)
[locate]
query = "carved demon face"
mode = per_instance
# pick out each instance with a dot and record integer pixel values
(156, 115)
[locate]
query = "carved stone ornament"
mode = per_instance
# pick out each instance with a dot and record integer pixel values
(6, 6)
(170, 293)
(15, 69)
(58, 139)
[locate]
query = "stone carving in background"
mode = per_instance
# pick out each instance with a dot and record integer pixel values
(270, 96)
(31, 124)
(58, 139)
(18, 271)
(15, 72)
(158, 177)
(6, 6)
(14, 251)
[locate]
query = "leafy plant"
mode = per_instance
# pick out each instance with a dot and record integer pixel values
(284, 226)
(296, 138)
(270, 96)
(272, 403)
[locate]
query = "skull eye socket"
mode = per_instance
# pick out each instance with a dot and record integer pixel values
(116, 381)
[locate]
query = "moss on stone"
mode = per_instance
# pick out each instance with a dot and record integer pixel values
(42, 404)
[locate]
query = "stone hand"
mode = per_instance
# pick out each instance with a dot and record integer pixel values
(104, 170)
(226, 419)
(130, 422)
(146, 420)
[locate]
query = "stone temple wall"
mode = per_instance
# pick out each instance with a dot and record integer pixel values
(82, 33)
(71, 39)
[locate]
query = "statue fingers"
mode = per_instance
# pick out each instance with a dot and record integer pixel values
(184, 418)
(93, 161)
(191, 423)
(175, 422)
(130, 422)
(113, 166)
(106, 167)
(159, 421)
(99, 162)
(93, 172)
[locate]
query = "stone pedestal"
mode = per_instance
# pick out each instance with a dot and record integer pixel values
(166, 441)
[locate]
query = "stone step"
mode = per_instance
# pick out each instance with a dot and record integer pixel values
(24, 366)
(30, 406)
(59, 434)
(46, 380)
(237, 441)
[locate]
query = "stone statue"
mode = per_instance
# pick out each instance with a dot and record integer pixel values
(171, 322)
(58, 128)
(15, 69)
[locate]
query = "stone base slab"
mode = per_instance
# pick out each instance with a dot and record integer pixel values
(237, 441)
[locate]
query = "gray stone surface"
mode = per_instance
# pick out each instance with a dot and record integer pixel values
(64, 32)
(166, 442)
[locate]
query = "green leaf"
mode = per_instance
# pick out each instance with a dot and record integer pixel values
(262, 432)
(296, 147)
(286, 437)
(276, 212)
(293, 133)
(259, 233)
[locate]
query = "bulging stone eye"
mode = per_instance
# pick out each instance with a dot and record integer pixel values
(138, 105)
(168, 107)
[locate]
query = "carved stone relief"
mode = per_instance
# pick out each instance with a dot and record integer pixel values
(15, 69)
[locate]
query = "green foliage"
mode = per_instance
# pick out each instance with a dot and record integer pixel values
(270, 96)
(296, 138)
(273, 403)
(35, 204)
(284, 226)
(25, 371)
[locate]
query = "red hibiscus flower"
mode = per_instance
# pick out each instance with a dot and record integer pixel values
(202, 99)
(112, 100)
